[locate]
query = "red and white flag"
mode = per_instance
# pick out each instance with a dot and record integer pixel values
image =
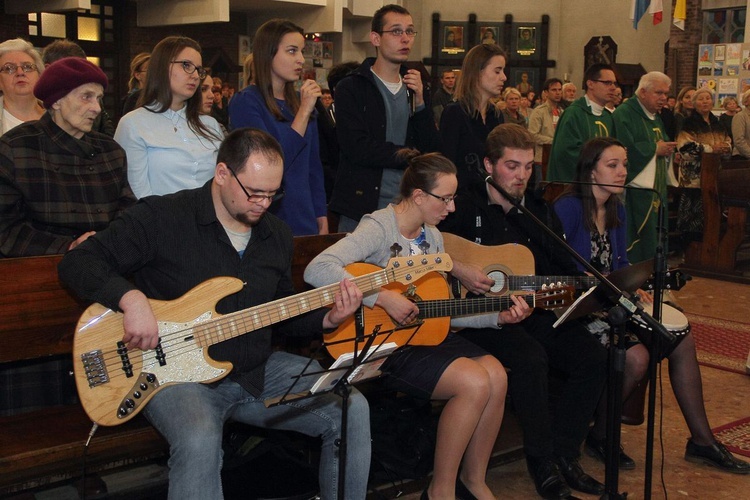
(655, 9)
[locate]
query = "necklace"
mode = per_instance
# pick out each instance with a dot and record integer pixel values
(174, 117)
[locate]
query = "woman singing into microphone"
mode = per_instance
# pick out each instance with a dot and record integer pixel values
(273, 105)
(594, 222)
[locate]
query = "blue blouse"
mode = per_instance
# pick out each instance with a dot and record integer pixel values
(305, 198)
(569, 210)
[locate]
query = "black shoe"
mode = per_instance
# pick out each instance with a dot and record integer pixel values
(548, 481)
(715, 455)
(462, 492)
(576, 478)
(597, 448)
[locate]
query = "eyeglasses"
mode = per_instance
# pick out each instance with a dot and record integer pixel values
(11, 68)
(608, 83)
(398, 32)
(258, 198)
(191, 68)
(445, 199)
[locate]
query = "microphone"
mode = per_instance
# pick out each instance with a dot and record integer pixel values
(412, 101)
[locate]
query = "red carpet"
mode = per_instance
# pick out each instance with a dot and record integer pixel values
(720, 343)
(735, 436)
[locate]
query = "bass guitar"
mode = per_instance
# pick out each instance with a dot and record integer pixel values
(115, 383)
(431, 295)
(511, 267)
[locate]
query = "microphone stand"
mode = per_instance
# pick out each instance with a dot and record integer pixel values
(654, 346)
(654, 349)
(623, 308)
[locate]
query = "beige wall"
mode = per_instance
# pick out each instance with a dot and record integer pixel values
(572, 24)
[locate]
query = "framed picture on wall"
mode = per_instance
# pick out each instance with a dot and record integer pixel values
(489, 34)
(245, 47)
(720, 53)
(525, 79)
(525, 40)
(453, 38)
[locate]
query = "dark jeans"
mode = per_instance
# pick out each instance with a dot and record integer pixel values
(530, 349)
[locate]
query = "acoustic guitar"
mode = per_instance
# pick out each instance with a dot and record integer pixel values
(511, 267)
(115, 383)
(431, 295)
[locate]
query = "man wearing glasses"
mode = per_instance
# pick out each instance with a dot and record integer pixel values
(169, 245)
(380, 108)
(640, 128)
(585, 118)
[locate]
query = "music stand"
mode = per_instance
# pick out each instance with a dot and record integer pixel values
(628, 279)
(340, 377)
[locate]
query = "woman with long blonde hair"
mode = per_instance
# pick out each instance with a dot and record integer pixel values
(465, 124)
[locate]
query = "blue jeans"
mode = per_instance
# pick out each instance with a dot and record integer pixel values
(191, 417)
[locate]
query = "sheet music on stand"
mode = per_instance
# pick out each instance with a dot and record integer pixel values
(369, 368)
(595, 299)
(362, 364)
(573, 307)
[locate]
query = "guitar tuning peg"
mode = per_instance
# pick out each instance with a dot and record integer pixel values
(396, 250)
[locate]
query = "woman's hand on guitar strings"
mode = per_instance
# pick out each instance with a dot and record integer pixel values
(518, 312)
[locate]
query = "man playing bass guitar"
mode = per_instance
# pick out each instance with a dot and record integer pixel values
(170, 245)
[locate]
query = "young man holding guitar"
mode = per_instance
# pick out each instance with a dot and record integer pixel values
(171, 244)
(532, 347)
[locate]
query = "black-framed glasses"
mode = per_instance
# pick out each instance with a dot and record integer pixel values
(608, 83)
(258, 198)
(398, 32)
(445, 199)
(191, 68)
(11, 68)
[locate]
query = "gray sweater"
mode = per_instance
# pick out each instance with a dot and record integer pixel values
(371, 242)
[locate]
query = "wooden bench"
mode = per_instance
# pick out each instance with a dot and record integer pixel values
(37, 321)
(726, 198)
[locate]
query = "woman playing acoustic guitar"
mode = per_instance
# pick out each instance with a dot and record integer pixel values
(472, 382)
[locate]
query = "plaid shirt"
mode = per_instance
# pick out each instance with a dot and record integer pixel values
(54, 187)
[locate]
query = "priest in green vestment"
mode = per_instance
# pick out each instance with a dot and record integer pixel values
(639, 127)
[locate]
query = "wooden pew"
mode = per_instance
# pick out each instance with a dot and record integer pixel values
(724, 188)
(37, 321)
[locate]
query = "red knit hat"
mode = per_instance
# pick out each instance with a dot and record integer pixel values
(64, 75)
